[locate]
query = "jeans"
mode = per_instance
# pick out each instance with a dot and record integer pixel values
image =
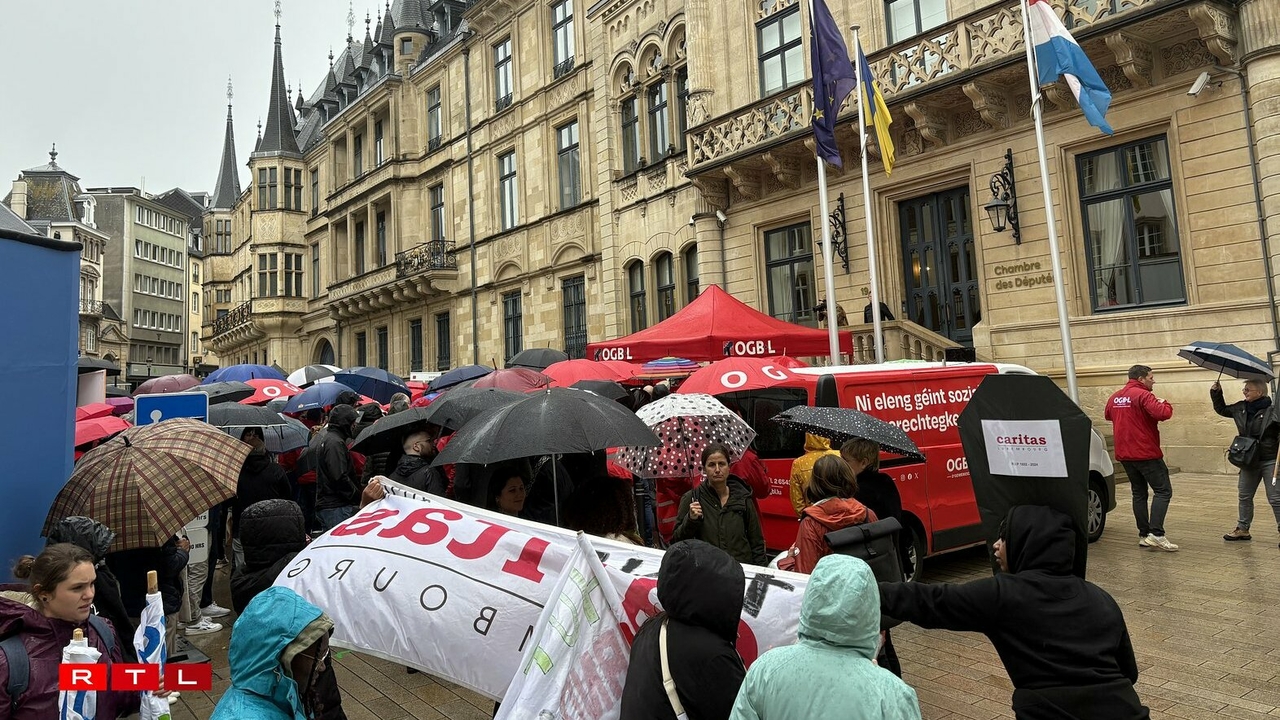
(1249, 480)
(332, 517)
(1153, 474)
(197, 573)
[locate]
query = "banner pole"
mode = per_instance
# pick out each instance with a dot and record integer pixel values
(866, 201)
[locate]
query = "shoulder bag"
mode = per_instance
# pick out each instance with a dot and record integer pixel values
(669, 683)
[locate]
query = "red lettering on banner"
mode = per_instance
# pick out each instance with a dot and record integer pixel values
(197, 677)
(526, 566)
(135, 676)
(364, 523)
(482, 545)
(82, 676)
(748, 648)
(435, 532)
(637, 605)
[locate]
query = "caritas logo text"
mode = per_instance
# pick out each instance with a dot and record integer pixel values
(1022, 440)
(74, 677)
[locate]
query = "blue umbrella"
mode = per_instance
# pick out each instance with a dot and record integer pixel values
(1228, 360)
(372, 382)
(458, 375)
(320, 395)
(242, 373)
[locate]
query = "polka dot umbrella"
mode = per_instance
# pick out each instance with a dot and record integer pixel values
(841, 424)
(685, 424)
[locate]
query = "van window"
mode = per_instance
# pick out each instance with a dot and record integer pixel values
(757, 406)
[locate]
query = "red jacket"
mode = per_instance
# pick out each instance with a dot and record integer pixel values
(1134, 411)
(818, 520)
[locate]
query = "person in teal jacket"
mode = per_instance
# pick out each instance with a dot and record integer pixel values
(831, 672)
(278, 648)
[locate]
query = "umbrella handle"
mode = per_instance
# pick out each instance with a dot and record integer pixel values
(153, 583)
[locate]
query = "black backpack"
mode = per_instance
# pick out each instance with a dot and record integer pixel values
(20, 664)
(876, 543)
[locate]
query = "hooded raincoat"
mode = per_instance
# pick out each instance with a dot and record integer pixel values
(830, 672)
(1063, 640)
(276, 626)
(802, 468)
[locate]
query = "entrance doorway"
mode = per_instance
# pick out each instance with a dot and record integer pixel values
(940, 264)
(324, 353)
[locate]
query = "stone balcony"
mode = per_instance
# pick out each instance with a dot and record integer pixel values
(256, 319)
(420, 272)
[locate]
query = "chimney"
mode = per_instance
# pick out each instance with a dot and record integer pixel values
(18, 201)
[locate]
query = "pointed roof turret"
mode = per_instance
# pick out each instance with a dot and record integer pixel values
(279, 136)
(387, 36)
(227, 189)
(293, 117)
(299, 105)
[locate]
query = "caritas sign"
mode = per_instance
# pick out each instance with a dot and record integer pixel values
(749, 348)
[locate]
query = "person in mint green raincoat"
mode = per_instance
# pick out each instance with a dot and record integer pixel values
(831, 672)
(278, 648)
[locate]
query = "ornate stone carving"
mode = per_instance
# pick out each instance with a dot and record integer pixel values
(1134, 56)
(658, 179)
(630, 189)
(506, 123)
(507, 247)
(912, 143)
(745, 180)
(931, 122)
(1115, 78)
(1217, 30)
(714, 191)
(1059, 94)
(699, 103)
(785, 168)
(1181, 57)
(765, 8)
(969, 123)
(990, 102)
(563, 93)
(567, 227)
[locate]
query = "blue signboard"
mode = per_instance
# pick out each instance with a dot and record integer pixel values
(149, 409)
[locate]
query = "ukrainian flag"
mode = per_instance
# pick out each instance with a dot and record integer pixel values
(876, 112)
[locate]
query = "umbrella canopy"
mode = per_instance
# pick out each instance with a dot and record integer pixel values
(120, 405)
(841, 424)
(556, 420)
(425, 400)
(277, 405)
(373, 382)
(235, 415)
(387, 434)
(459, 406)
(458, 375)
(516, 379)
(606, 389)
(89, 364)
(115, 391)
(150, 481)
(88, 431)
(242, 373)
(737, 374)
(320, 395)
(93, 410)
(291, 434)
(226, 392)
(668, 367)
(685, 424)
(537, 358)
(565, 374)
(267, 390)
(305, 376)
(167, 384)
(1228, 360)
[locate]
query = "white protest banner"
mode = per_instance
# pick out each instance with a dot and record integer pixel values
(457, 591)
(576, 662)
(1025, 447)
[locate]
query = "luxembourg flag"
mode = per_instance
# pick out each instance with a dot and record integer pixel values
(1058, 54)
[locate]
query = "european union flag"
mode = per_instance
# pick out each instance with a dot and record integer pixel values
(833, 78)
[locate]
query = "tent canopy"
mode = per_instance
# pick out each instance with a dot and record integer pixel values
(714, 326)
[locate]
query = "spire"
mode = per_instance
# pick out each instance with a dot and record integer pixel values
(300, 104)
(351, 22)
(227, 188)
(279, 135)
(388, 28)
(53, 155)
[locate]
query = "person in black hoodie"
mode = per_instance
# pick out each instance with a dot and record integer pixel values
(414, 467)
(1062, 640)
(95, 537)
(131, 566)
(700, 588)
(261, 478)
(337, 487)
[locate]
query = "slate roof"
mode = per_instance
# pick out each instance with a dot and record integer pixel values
(10, 221)
(227, 189)
(278, 136)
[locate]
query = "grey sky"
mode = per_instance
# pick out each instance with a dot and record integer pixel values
(137, 88)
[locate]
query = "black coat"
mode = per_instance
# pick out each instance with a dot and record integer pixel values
(272, 532)
(877, 491)
(1063, 640)
(1262, 424)
(336, 483)
(131, 566)
(701, 588)
(551, 481)
(261, 478)
(416, 472)
(96, 538)
(733, 527)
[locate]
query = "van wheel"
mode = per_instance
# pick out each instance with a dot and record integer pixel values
(915, 554)
(1097, 510)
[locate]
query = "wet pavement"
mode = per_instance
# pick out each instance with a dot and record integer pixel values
(1204, 622)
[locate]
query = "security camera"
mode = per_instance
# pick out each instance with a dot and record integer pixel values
(692, 221)
(1198, 86)
(720, 216)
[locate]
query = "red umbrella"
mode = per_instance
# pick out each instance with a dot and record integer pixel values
(568, 372)
(787, 361)
(266, 390)
(517, 379)
(88, 431)
(737, 373)
(167, 384)
(93, 410)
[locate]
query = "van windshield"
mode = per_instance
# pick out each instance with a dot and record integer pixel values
(757, 406)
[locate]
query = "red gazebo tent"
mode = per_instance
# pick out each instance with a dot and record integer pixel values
(714, 326)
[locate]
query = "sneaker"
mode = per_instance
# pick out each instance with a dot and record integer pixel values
(214, 610)
(1147, 540)
(1160, 542)
(204, 627)
(1237, 535)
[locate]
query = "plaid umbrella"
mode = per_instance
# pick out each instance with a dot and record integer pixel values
(149, 481)
(685, 424)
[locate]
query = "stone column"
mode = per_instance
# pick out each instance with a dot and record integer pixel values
(1259, 56)
(698, 44)
(713, 195)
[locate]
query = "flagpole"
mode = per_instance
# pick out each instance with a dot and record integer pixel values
(828, 276)
(1068, 357)
(866, 200)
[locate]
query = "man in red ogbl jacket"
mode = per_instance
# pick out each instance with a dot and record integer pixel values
(1134, 411)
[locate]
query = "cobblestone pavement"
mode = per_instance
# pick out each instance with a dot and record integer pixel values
(1204, 621)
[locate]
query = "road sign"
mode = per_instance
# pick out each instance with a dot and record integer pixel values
(149, 409)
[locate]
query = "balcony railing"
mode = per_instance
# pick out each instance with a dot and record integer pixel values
(434, 255)
(90, 307)
(563, 68)
(502, 103)
(434, 143)
(233, 319)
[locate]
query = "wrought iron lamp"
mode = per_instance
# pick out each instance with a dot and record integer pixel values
(1003, 206)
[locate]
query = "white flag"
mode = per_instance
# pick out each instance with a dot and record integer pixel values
(78, 704)
(149, 640)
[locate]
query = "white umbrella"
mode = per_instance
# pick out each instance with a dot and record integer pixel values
(306, 376)
(78, 704)
(149, 639)
(685, 424)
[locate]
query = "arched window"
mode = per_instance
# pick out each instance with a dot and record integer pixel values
(690, 257)
(324, 353)
(664, 272)
(635, 287)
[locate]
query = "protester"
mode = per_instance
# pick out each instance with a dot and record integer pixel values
(721, 511)
(96, 538)
(815, 447)
(700, 588)
(131, 567)
(1255, 418)
(832, 506)
(60, 601)
(399, 403)
(1134, 412)
(279, 649)
(260, 479)
(337, 485)
(507, 490)
(375, 464)
(414, 468)
(1062, 639)
(604, 507)
(831, 672)
(550, 487)
(876, 490)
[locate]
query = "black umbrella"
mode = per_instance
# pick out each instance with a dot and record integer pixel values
(235, 415)
(607, 389)
(226, 392)
(1228, 360)
(372, 382)
(841, 424)
(277, 404)
(537, 358)
(459, 406)
(388, 432)
(458, 375)
(554, 421)
(88, 364)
